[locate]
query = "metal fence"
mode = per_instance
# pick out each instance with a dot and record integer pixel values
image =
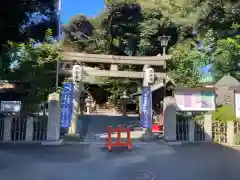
(219, 132)
(236, 127)
(1, 128)
(199, 131)
(40, 128)
(182, 127)
(18, 128)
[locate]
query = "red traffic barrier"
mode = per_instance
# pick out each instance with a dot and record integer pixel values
(118, 143)
(157, 128)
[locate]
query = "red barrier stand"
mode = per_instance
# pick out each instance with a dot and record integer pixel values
(118, 143)
(157, 128)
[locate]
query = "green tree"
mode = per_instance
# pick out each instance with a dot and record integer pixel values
(132, 27)
(22, 20)
(189, 57)
(224, 114)
(226, 57)
(182, 68)
(79, 31)
(33, 64)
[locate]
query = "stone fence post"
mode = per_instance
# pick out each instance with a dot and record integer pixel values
(29, 129)
(53, 126)
(230, 132)
(191, 125)
(208, 127)
(7, 128)
(169, 119)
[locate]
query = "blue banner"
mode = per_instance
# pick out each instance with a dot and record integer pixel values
(66, 105)
(146, 110)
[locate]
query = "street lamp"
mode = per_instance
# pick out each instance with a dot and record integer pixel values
(124, 101)
(238, 65)
(58, 38)
(164, 42)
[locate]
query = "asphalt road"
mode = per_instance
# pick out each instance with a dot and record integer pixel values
(146, 161)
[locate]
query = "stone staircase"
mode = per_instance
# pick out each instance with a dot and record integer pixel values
(108, 109)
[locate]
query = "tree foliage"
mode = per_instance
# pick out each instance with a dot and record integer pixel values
(33, 65)
(20, 21)
(226, 57)
(200, 35)
(224, 114)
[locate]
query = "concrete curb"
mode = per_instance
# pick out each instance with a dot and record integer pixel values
(173, 143)
(52, 143)
(97, 143)
(21, 142)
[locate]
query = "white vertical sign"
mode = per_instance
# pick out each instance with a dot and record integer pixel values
(237, 104)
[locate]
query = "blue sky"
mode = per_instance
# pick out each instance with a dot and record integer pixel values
(73, 7)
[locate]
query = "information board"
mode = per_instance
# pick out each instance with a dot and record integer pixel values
(237, 104)
(10, 106)
(187, 100)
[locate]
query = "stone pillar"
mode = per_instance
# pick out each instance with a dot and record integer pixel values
(139, 100)
(7, 128)
(169, 112)
(53, 127)
(208, 127)
(148, 134)
(29, 129)
(230, 132)
(191, 125)
(78, 88)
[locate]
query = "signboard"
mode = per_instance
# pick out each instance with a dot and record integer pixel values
(11, 106)
(187, 100)
(146, 110)
(66, 104)
(237, 104)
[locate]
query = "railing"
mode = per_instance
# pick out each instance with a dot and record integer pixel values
(236, 127)
(1, 128)
(20, 126)
(219, 132)
(199, 131)
(182, 130)
(40, 128)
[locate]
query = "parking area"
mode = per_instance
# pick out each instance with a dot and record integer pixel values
(186, 162)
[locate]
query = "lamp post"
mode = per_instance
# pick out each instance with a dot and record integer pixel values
(164, 42)
(59, 6)
(124, 100)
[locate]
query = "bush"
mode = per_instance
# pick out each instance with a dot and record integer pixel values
(224, 114)
(237, 138)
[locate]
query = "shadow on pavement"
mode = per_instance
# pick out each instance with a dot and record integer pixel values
(91, 127)
(191, 161)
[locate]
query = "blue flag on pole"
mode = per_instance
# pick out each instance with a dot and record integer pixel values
(66, 105)
(146, 110)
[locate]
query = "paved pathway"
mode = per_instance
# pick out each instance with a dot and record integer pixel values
(95, 126)
(89, 162)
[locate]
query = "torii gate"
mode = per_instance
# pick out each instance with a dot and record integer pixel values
(71, 58)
